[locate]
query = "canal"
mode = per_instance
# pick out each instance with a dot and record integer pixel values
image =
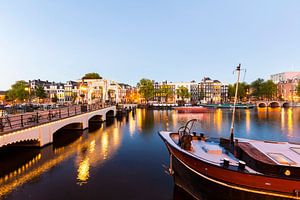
(123, 158)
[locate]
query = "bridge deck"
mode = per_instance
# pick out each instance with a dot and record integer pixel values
(11, 123)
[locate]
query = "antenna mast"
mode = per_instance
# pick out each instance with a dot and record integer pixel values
(238, 69)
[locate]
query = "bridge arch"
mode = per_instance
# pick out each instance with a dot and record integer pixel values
(96, 117)
(110, 114)
(262, 104)
(286, 104)
(274, 104)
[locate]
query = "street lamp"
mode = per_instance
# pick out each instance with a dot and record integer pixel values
(83, 89)
(29, 94)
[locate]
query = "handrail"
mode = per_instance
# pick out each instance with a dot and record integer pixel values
(10, 123)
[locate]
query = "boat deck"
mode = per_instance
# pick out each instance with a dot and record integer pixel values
(211, 152)
(277, 153)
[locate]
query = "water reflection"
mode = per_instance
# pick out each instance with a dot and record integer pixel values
(91, 149)
(126, 155)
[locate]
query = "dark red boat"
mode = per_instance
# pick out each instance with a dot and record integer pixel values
(221, 168)
(192, 109)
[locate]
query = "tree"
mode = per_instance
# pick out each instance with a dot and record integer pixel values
(73, 97)
(92, 75)
(256, 87)
(165, 91)
(40, 93)
(146, 89)
(242, 90)
(54, 99)
(298, 89)
(269, 89)
(201, 94)
(18, 91)
(183, 92)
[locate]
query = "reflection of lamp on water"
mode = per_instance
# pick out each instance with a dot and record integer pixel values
(83, 171)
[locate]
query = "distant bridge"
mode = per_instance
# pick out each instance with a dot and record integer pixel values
(39, 127)
(273, 104)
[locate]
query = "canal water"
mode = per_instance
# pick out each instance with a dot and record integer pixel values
(123, 158)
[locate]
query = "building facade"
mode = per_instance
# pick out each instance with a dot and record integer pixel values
(284, 76)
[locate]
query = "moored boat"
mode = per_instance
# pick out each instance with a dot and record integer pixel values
(232, 168)
(192, 109)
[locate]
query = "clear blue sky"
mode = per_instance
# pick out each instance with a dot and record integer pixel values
(126, 40)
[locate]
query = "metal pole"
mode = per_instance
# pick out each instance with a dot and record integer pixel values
(238, 69)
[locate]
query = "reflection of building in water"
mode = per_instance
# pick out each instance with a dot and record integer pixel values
(290, 122)
(262, 113)
(95, 152)
(132, 125)
(83, 171)
(248, 120)
(218, 120)
(90, 153)
(282, 119)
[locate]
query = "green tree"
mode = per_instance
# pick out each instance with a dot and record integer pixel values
(54, 99)
(231, 91)
(146, 89)
(257, 88)
(298, 89)
(269, 89)
(201, 94)
(242, 91)
(40, 92)
(165, 91)
(92, 75)
(73, 97)
(18, 91)
(183, 92)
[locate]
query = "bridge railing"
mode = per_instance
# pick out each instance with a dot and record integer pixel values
(10, 123)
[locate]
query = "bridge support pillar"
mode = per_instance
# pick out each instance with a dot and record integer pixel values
(45, 136)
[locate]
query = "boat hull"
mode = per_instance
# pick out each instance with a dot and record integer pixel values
(201, 188)
(236, 182)
(192, 109)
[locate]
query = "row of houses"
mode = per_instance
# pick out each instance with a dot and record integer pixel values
(83, 91)
(287, 83)
(206, 91)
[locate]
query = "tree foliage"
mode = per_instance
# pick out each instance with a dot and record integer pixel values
(298, 89)
(264, 89)
(257, 88)
(165, 91)
(183, 92)
(242, 90)
(269, 90)
(92, 75)
(54, 99)
(40, 92)
(18, 91)
(146, 89)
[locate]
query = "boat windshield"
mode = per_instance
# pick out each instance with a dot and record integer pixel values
(281, 159)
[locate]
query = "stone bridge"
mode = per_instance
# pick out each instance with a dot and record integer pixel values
(41, 130)
(273, 104)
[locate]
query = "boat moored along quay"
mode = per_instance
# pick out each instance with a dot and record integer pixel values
(207, 164)
(238, 168)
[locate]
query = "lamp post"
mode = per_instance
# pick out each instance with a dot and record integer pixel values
(83, 89)
(28, 89)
